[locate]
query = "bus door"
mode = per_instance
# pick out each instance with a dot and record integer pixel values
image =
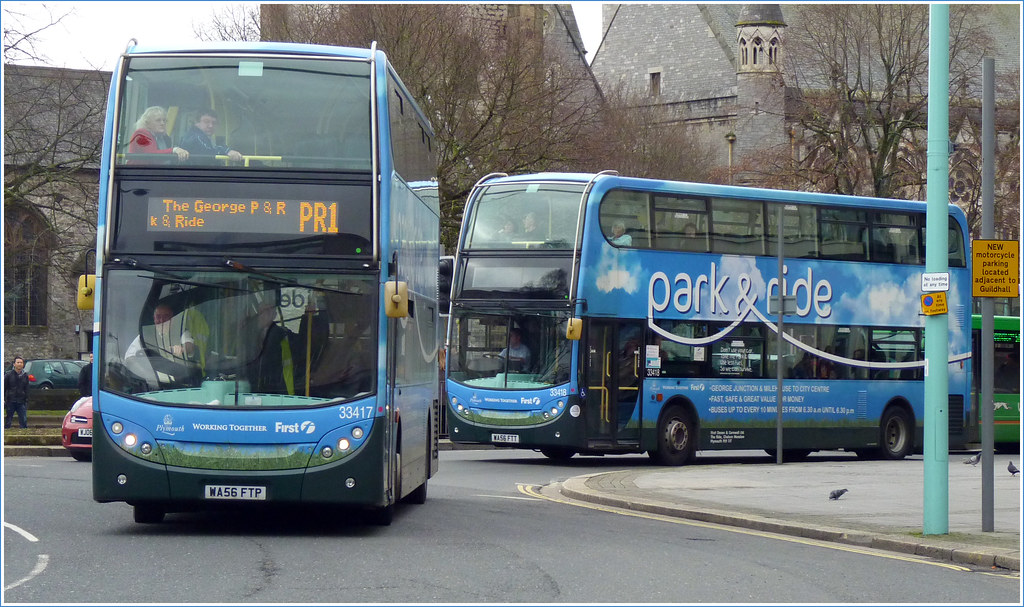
(614, 368)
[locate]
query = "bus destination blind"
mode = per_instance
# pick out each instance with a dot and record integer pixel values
(242, 216)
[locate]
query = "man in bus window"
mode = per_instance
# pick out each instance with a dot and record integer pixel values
(164, 351)
(508, 229)
(517, 354)
(199, 138)
(272, 363)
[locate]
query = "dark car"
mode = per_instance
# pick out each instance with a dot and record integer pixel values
(53, 373)
(76, 431)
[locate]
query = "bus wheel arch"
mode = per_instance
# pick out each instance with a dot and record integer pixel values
(896, 430)
(676, 434)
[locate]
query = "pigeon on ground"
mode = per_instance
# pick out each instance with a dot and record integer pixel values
(838, 493)
(1013, 469)
(974, 459)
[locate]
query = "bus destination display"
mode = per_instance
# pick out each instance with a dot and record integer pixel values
(242, 216)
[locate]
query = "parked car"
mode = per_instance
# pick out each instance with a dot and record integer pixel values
(45, 374)
(76, 431)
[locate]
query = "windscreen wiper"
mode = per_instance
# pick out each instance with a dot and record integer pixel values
(131, 262)
(283, 280)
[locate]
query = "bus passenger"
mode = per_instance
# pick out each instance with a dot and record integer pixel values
(508, 229)
(530, 229)
(619, 235)
(199, 138)
(150, 136)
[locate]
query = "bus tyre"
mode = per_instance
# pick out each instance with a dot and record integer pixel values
(677, 438)
(896, 441)
(558, 454)
(148, 514)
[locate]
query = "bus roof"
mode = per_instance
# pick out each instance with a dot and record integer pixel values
(608, 181)
(253, 47)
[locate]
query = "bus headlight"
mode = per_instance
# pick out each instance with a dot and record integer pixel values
(326, 452)
(554, 411)
(146, 448)
(343, 444)
(116, 428)
(357, 433)
(130, 440)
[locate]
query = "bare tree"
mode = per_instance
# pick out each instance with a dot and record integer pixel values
(53, 121)
(863, 75)
(237, 22)
(635, 139)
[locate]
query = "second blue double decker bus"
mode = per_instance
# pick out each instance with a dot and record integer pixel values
(603, 314)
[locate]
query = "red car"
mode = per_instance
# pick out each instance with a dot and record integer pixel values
(76, 431)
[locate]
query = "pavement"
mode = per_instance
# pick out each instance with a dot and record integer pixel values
(883, 508)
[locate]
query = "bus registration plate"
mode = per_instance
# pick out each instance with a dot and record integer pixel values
(234, 492)
(505, 438)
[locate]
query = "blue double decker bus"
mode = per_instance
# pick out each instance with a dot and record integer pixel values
(266, 318)
(602, 314)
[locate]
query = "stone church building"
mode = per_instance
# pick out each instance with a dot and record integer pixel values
(723, 70)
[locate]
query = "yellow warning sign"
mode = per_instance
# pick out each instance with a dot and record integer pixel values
(995, 271)
(933, 303)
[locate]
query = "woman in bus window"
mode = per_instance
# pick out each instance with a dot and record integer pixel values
(150, 136)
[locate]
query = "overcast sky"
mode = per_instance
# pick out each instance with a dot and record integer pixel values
(93, 34)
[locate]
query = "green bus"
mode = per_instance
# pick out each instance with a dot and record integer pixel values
(1006, 381)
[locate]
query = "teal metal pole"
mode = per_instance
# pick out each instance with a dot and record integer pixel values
(936, 329)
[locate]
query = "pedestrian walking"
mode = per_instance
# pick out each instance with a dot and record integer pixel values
(16, 394)
(85, 379)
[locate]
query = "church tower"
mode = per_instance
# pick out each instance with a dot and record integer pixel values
(760, 88)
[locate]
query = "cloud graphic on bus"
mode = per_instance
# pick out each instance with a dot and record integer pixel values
(883, 303)
(617, 271)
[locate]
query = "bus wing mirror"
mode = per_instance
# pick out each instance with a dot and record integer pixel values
(396, 299)
(86, 291)
(574, 329)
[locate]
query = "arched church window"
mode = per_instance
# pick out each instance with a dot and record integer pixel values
(744, 52)
(773, 51)
(27, 245)
(758, 50)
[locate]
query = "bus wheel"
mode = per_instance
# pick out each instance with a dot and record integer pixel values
(896, 434)
(676, 438)
(148, 514)
(558, 454)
